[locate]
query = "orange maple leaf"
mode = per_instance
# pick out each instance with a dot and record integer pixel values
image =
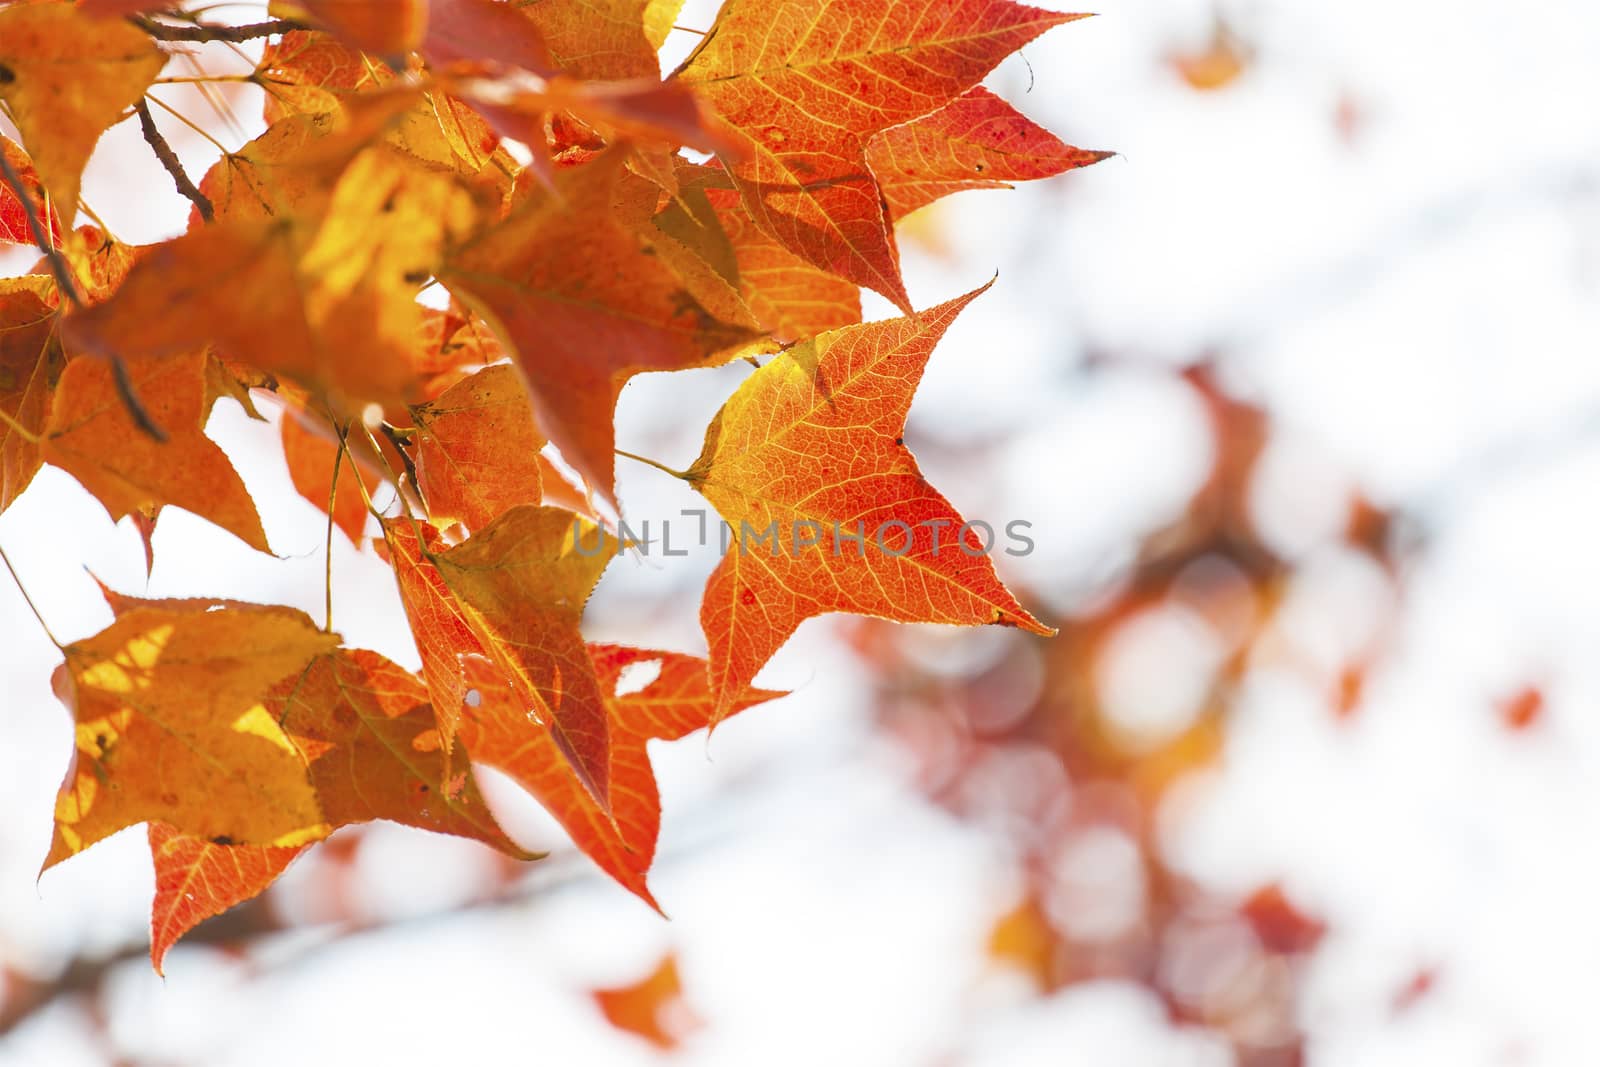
(978, 141)
(92, 436)
(674, 704)
(810, 450)
(30, 362)
(803, 84)
(14, 226)
(197, 879)
(581, 325)
(652, 1008)
(477, 449)
(520, 584)
(172, 726)
(67, 77)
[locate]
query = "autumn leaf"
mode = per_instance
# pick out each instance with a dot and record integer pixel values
(810, 450)
(49, 57)
(602, 40)
(442, 635)
(674, 704)
(652, 1008)
(978, 141)
(99, 262)
(789, 297)
(486, 31)
(14, 228)
(580, 326)
(30, 363)
(313, 74)
(477, 449)
(496, 57)
(660, 18)
(363, 726)
(1023, 939)
(451, 346)
(382, 27)
(803, 84)
(311, 457)
(367, 734)
(197, 879)
(521, 584)
(92, 436)
(328, 300)
(170, 705)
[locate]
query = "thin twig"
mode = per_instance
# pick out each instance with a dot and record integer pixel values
(333, 506)
(41, 236)
(393, 437)
(162, 31)
(169, 159)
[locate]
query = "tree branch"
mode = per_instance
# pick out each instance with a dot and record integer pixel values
(169, 159)
(163, 31)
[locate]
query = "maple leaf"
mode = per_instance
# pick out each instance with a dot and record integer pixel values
(92, 436)
(367, 733)
(468, 31)
(676, 703)
(311, 455)
(477, 449)
(520, 585)
(14, 226)
(328, 299)
(652, 1008)
(49, 54)
(99, 262)
(173, 726)
(810, 449)
(496, 56)
(197, 879)
(579, 326)
(802, 86)
(30, 362)
(978, 141)
(383, 27)
(1023, 939)
(442, 635)
(791, 298)
(604, 40)
(452, 345)
(313, 74)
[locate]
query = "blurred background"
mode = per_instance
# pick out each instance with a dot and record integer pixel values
(1301, 394)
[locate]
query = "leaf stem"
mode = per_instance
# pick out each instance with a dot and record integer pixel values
(333, 504)
(187, 121)
(29, 601)
(20, 430)
(361, 484)
(681, 475)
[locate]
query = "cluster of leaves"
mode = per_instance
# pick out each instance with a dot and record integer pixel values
(600, 249)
